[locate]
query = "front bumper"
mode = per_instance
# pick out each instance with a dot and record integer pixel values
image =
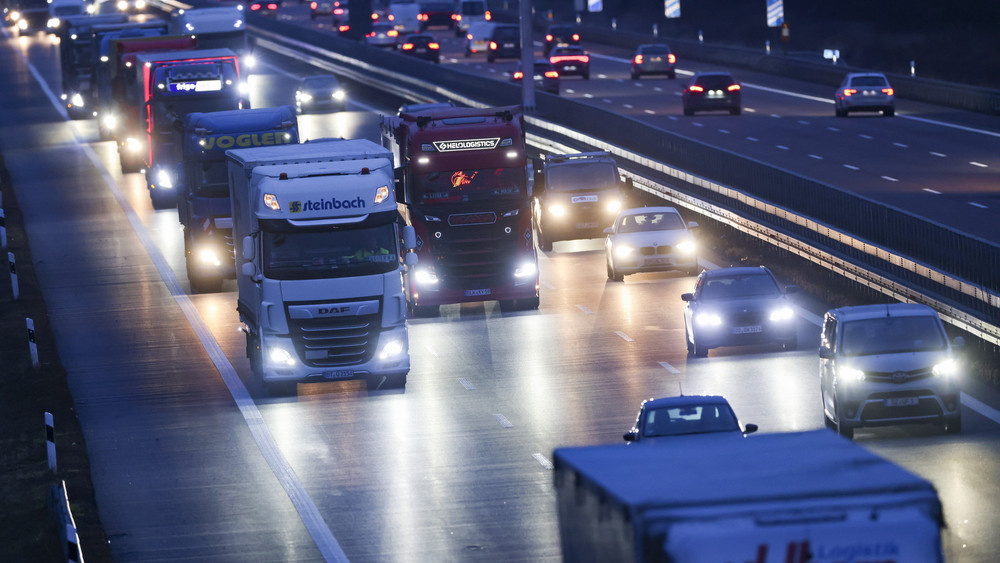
(299, 371)
(885, 404)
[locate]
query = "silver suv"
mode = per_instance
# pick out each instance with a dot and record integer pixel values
(888, 364)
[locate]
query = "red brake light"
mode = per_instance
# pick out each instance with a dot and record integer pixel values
(733, 87)
(371, 34)
(576, 37)
(422, 17)
(695, 88)
(343, 28)
(887, 91)
(272, 6)
(637, 59)
(850, 91)
(548, 37)
(518, 75)
(254, 7)
(338, 11)
(374, 16)
(407, 46)
(433, 46)
(551, 74)
(671, 58)
(456, 17)
(493, 45)
(468, 36)
(392, 18)
(312, 5)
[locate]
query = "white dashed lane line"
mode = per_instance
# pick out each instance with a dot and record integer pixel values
(979, 164)
(782, 147)
(901, 145)
(979, 205)
(624, 336)
(543, 461)
(753, 139)
(935, 192)
(671, 369)
(938, 154)
(851, 167)
(585, 309)
(816, 156)
(469, 386)
(863, 136)
(503, 420)
(890, 178)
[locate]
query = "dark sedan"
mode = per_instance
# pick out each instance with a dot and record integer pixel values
(423, 46)
(560, 36)
(710, 91)
(546, 76)
(571, 61)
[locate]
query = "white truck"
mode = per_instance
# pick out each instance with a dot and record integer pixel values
(318, 263)
(775, 498)
(404, 16)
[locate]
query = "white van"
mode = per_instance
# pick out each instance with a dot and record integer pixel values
(470, 12)
(477, 39)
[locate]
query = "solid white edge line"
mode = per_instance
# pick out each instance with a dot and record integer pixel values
(282, 470)
(624, 336)
(543, 461)
(671, 369)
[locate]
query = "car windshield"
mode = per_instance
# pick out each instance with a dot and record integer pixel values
(868, 81)
(566, 51)
(714, 81)
(650, 222)
(891, 335)
(689, 419)
(582, 176)
(320, 82)
(462, 186)
(301, 255)
(739, 287)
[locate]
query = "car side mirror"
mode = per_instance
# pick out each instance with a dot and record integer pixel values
(693, 224)
(750, 429)
(609, 230)
(825, 353)
(791, 288)
(630, 436)
(687, 297)
(539, 184)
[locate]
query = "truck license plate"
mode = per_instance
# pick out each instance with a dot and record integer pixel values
(747, 329)
(902, 402)
(338, 374)
(477, 292)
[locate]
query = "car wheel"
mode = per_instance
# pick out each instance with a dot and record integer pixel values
(613, 274)
(953, 425)
(736, 111)
(635, 76)
(586, 76)
(841, 112)
(842, 429)
(163, 199)
(672, 74)
(490, 58)
(889, 112)
(468, 53)
(688, 112)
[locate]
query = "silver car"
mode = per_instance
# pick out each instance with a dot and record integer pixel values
(888, 364)
(865, 91)
(650, 239)
(383, 35)
(683, 416)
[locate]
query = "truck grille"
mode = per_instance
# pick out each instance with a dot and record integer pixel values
(475, 256)
(335, 342)
(651, 250)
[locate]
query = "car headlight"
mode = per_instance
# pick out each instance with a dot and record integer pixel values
(557, 210)
(122, 5)
(947, 369)
(22, 25)
(76, 100)
(687, 247)
(707, 319)
(15, 16)
(249, 61)
(208, 256)
(243, 88)
(851, 375)
(613, 206)
(303, 96)
(425, 276)
(525, 269)
(339, 95)
(133, 145)
(109, 120)
(54, 22)
(280, 356)
(140, 4)
(164, 179)
(623, 250)
(392, 349)
(782, 314)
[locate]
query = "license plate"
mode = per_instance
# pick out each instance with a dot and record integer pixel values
(586, 225)
(660, 262)
(338, 374)
(655, 59)
(569, 67)
(747, 329)
(584, 199)
(714, 94)
(508, 45)
(477, 292)
(902, 402)
(421, 50)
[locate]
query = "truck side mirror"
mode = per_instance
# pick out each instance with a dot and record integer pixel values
(825, 353)
(399, 185)
(609, 230)
(248, 248)
(539, 186)
(248, 269)
(630, 436)
(410, 259)
(409, 237)
(693, 224)
(959, 342)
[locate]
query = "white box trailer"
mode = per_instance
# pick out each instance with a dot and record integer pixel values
(319, 263)
(774, 498)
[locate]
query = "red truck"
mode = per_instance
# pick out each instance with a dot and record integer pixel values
(462, 184)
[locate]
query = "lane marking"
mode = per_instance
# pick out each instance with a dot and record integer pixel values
(749, 110)
(607, 100)
(588, 95)
(570, 91)
(834, 129)
(776, 116)
(753, 139)
(979, 164)
(942, 155)
(543, 461)
(803, 122)
(901, 145)
(627, 106)
(548, 285)
(431, 350)
(305, 507)
(782, 147)
(851, 167)
(584, 309)
(467, 384)
(724, 131)
(979, 205)
(670, 368)
(624, 336)
(816, 156)
(890, 178)
(935, 192)
(863, 136)
(697, 124)
(650, 112)
(503, 420)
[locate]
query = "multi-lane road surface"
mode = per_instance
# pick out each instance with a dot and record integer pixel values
(192, 460)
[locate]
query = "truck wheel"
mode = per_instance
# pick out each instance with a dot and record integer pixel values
(544, 243)
(204, 284)
(953, 425)
(425, 311)
(529, 304)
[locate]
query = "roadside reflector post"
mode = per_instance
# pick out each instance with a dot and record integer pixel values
(614, 24)
(701, 36)
(13, 276)
(767, 46)
(50, 441)
(3, 230)
(913, 72)
(32, 346)
(656, 31)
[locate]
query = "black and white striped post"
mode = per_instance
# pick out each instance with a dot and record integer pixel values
(50, 441)
(13, 276)
(32, 346)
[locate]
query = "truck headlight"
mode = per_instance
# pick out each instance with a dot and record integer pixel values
(133, 145)
(782, 314)
(280, 356)
(77, 100)
(249, 61)
(22, 25)
(613, 206)
(110, 121)
(687, 247)
(140, 4)
(122, 6)
(525, 269)
(392, 349)
(54, 23)
(208, 256)
(339, 95)
(425, 276)
(303, 96)
(164, 179)
(947, 369)
(707, 319)
(851, 375)
(557, 210)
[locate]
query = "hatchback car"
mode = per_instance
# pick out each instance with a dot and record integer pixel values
(650, 239)
(571, 61)
(685, 415)
(560, 36)
(422, 46)
(320, 92)
(383, 35)
(738, 306)
(477, 39)
(712, 91)
(504, 42)
(888, 364)
(546, 76)
(867, 91)
(653, 59)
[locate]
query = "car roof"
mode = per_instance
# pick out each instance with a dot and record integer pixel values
(642, 210)
(685, 401)
(860, 312)
(482, 25)
(736, 271)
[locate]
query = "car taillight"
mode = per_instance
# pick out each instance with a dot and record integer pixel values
(392, 18)
(576, 37)
(456, 17)
(850, 91)
(493, 45)
(392, 33)
(489, 16)
(344, 28)
(338, 11)
(551, 74)
(548, 38)
(566, 58)
(374, 16)
(637, 59)
(372, 34)
(887, 91)
(695, 88)
(733, 87)
(312, 6)
(422, 17)
(272, 6)
(407, 46)
(468, 36)
(433, 46)
(254, 7)
(671, 58)
(518, 75)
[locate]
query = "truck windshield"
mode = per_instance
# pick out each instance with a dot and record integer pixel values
(582, 176)
(472, 185)
(337, 253)
(208, 179)
(892, 335)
